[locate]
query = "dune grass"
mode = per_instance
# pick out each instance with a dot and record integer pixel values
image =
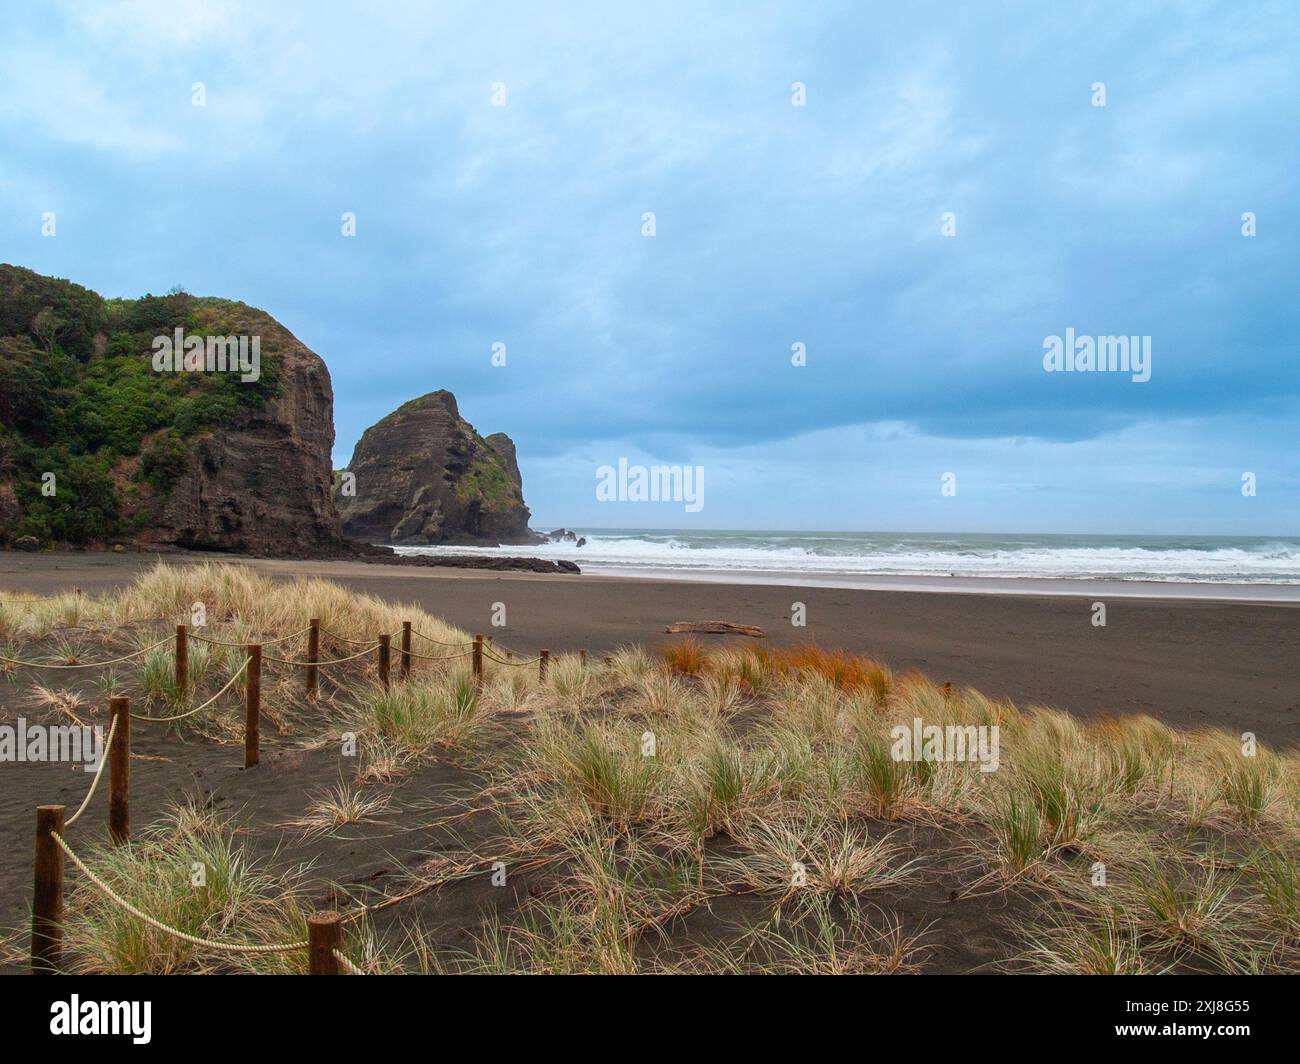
(188, 872)
(647, 790)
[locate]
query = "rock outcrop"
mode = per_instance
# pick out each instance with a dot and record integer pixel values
(204, 460)
(491, 562)
(423, 475)
(261, 482)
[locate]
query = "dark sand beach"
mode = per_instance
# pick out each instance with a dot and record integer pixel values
(1192, 663)
(1169, 658)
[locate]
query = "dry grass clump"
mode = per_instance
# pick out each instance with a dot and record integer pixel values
(62, 702)
(686, 657)
(341, 805)
(237, 901)
(649, 794)
(274, 608)
(826, 939)
(753, 668)
(425, 715)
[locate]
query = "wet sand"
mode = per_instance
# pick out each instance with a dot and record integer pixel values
(1188, 661)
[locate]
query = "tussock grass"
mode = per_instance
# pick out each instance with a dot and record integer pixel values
(238, 901)
(1021, 835)
(1275, 872)
(1073, 945)
(725, 788)
(341, 805)
(424, 715)
(274, 608)
(382, 761)
(825, 939)
(600, 767)
(686, 657)
(803, 858)
(648, 791)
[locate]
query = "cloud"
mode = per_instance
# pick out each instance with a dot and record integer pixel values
(775, 224)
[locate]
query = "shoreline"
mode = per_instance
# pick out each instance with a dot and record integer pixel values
(1190, 661)
(37, 569)
(971, 585)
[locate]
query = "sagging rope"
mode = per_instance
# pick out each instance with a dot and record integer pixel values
(103, 760)
(196, 709)
(502, 661)
(87, 664)
(248, 642)
(339, 956)
(439, 641)
(207, 943)
(335, 661)
(354, 642)
(438, 657)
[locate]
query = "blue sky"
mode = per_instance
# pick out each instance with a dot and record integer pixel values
(775, 225)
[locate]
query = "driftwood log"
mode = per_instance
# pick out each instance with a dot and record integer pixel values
(716, 628)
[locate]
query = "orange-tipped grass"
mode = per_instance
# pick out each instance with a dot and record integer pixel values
(685, 657)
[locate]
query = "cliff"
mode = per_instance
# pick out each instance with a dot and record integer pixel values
(212, 460)
(424, 475)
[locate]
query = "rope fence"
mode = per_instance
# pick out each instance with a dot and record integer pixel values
(103, 760)
(343, 961)
(478, 649)
(198, 709)
(441, 657)
(354, 642)
(85, 664)
(325, 933)
(263, 642)
(440, 642)
(140, 914)
(333, 661)
(515, 664)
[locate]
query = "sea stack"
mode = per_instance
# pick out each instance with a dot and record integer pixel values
(423, 475)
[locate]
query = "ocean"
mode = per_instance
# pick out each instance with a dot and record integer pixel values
(1169, 559)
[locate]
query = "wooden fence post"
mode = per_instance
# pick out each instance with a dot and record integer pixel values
(542, 665)
(252, 704)
(324, 935)
(405, 667)
(119, 772)
(47, 898)
(478, 658)
(385, 657)
(313, 655)
(582, 658)
(182, 660)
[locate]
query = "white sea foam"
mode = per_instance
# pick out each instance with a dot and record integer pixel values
(1176, 559)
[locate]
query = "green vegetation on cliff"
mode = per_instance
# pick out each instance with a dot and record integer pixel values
(79, 398)
(486, 480)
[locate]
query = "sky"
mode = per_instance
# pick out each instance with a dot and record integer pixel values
(920, 195)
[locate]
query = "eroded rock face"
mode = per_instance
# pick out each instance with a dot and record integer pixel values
(261, 483)
(423, 475)
(159, 455)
